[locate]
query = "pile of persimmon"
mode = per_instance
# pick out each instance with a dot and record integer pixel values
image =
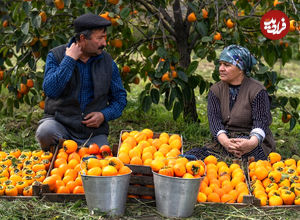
(19, 170)
(141, 148)
(223, 183)
(179, 167)
(65, 176)
(274, 181)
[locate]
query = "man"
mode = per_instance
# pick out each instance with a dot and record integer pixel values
(83, 87)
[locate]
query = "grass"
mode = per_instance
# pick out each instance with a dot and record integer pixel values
(15, 132)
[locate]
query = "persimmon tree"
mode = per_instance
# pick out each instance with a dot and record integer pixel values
(159, 41)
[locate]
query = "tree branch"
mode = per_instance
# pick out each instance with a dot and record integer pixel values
(156, 13)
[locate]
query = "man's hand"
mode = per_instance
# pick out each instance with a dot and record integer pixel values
(93, 119)
(74, 51)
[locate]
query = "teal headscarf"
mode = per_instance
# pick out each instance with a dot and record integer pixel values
(238, 56)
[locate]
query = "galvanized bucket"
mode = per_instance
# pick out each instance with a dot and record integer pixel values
(175, 197)
(106, 194)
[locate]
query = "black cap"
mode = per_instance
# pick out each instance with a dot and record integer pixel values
(90, 21)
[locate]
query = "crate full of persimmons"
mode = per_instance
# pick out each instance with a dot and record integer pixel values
(142, 149)
(275, 182)
(224, 183)
(70, 161)
(22, 172)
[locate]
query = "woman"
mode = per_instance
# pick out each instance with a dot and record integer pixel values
(238, 110)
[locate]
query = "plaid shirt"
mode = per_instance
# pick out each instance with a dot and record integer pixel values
(57, 76)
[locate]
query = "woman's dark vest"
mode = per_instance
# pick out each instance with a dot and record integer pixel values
(239, 119)
(66, 108)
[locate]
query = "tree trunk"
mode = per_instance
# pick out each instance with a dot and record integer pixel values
(182, 28)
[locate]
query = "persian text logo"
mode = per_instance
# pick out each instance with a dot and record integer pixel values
(274, 24)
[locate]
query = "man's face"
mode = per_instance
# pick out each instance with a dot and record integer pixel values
(96, 43)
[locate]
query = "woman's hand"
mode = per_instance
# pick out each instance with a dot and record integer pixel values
(230, 145)
(245, 145)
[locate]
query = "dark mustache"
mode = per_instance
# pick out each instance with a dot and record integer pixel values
(101, 47)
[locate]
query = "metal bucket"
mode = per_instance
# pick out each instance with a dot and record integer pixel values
(106, 193)
(175, 197)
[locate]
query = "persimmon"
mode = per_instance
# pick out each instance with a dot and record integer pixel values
(227, 198)
(20, 186)
(147, 162)
(78, 190)
(2, 190)
(63, 190)
(62, 154)
(289, 162)
(229, 23)
(104, 163)
(124, 170)
(11, 190)
(78, 181)
(70, 146)
(73, 163)
(15, 152)
(71, 185)
(191, 17)
(217, 36)
(27, 191)
(38, 166)
(39, 177)
(210, 159)
(136, 161)
(188, 176)
(204, 13)
(59, 4)
(297, 200)
(157, 164)
(157, 143)
(148, 132)
(261, 172)
(83, 151)
(72, 173)
(166, 171)
(66, 179)
(105, 151)
(274, 157)
(95, 171)
(15, 178)
(109, 171)
(213, 197)
(59, 161)
(274, 176)
(74, 155)
(116, 162)
(275, 201)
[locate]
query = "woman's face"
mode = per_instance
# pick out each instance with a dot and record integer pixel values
(230, 74)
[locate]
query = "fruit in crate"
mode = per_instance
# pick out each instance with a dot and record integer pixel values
(20, 169)
(143, 147)
(65, 177)
(275, 181)
(223, 182)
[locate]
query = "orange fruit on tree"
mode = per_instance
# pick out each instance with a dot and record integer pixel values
(59, 4)
(109, 171)
(229, 23)
(126, 69)
(165, 77)
(105, 15)
(204, 13)
(23, 89)
(43, 16)
(286, 118)
(114, 2)
(292, 25)
(70, 146)
(192, 17)
(217, 36)
(5, 23)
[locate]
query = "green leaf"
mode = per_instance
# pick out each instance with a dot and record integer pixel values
(192, 67)
(269, 54)
(146, 104)
(25, 28)
(1, 105)
(36, 21)
(28, 118)
(202, 86)
(202, 28)
(154, 95)
(177, 110)
(292, 123)
(27, 7)
(125, 13)
(182, 76)
(262, 69)
(161, 52)
(294, 102)
(206, 39)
